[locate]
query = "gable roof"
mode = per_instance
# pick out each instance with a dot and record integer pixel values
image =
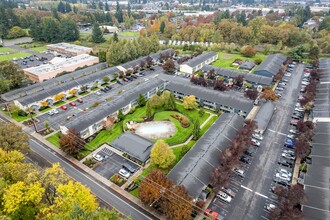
(264, 115)
(272, 64)
(199, 59)
(194, 169)
(134, 145)
(227, 73)
(247, 65)
(229, 98)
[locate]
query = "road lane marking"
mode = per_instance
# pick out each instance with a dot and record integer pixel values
(276, 132)
(259, 194)
(244, 187)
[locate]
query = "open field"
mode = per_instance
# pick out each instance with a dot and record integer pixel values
(128, 34)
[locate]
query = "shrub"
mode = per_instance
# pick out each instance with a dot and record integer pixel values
(118, 180)
(258, 61)
(89, 162)
(95, 104)
(248, 51)
(22, 113)
(201, 112)
(184, 121)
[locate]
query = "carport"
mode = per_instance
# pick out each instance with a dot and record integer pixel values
(263, 116)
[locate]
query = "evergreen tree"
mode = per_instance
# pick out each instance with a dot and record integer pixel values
(106, 8)
(120, 115)
(162, 27)
(97, 36)
(119, 13)
(61, 7)
(55, 14)
(67, 8)
(141, 100)
(129, 13)
(4, 22)
(51, 30)
(148, 110)
(171, 105)
(70, 30)
(196, 130)
(115, 37)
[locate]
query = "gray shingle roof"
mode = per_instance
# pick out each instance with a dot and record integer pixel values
(247, 65)
(264, 115)
(228, 98)
(134, 145)
(50, 84)
(227, 73)
(194, 169)
(199, 59)
(272, 64)
(119, 101)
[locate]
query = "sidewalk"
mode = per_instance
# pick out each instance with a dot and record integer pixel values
(83, 167)
(253, 112)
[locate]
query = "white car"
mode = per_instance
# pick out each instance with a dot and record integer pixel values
(288, 156)
(97, 157)
(50, 113)
(293, 131)
(255, 142)
(55, 111)
(270, 207)
(284, 171)
(124, 173)
(239, 172)
(224, 197)
(291, 136)
(287, 74)
(283, 176)
(98, 93)
(299, 109)
(258, 137)
(305, 83)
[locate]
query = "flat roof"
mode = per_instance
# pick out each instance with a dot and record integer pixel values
(70, 47)
(194, 169)
(134, 145)
(46, 68)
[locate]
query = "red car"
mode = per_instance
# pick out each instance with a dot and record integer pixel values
(126, 80)
(72, 104)
(64, 107)
(213, 214)
(80, 100)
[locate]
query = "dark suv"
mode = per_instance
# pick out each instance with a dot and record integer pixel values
(128, 167)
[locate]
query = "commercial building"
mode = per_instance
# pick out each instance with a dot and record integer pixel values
(109, 29)
(49, 71)
(196, 63)
(135, 146)
(71, 49)
(96, 119)
(253, 79)
(230, 101)
(195, 168)
(270, 66)
(264, 116)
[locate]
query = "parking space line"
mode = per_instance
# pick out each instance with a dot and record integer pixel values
(276, 132)
(259, 194)
(244, 187)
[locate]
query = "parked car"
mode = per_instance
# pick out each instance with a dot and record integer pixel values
(283, 176)
(80, 100)
(244, 159)
(284, 80)
(281, 170)
(285, 162)
(108, 87)
(72, 104)
(64, 107)
(98, 93)
(289, 143)
(124, 173)
(228, 191)
(279, 94)
(294, 122)
(151, 68)
(224, 197)
(287, 74)
(134, 76)
(291, 136)
(55, 111)
(288, 156)
(119, 82)
(239, 172)
(255, 142)
(294, 116)
(97, 157)
(249, 152)
(258, 137)
(125, 80)
(269, 207)
(212, 214)
(279, 88)
(293, 131)
(281, 182)
(50, 113)
(128, 167)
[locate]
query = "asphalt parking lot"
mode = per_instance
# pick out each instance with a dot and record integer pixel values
(110, 166)
(64, 116)
(254, 190)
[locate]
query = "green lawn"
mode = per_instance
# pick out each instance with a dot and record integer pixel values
(59, 103)
(129, 34)
(226, 59)
(185, 52)
(39, 49)
(6, 49)
(54, 139)
(13, 55)
(208, 124)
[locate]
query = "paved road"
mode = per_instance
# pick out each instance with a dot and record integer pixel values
(43, 154)
(254, 190)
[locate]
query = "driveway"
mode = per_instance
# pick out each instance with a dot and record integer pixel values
(254, 189)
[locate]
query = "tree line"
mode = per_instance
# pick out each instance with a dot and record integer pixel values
(30, 192)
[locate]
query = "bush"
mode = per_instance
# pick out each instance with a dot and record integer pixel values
(117, 179)
(258, 61)
(95, 104)
(22, 113)
(89, 162)
(184, 121)
(201, 112)
(248, 51)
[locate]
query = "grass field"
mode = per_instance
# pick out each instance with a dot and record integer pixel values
(226, 59)
(6, 49)
(129, 34)
(10, 56)
(54, 139)
(39, 49)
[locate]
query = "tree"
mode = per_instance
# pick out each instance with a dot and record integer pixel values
(219, 85)
(51, 31)
(196, 130)
(169, 66)
(119, 13)
(141, 100)
(239, 80)
(170, 102)
(268, 94)
(115, 37)
(11, 76)
(297, 53)
(190, 102)
(22, 194)
(106, 7)
(71, 143)
(70, 30)
(46, 125)
(153, 186)
(148, 110)
(314, 52)
(129, 9)
(219, 178)
(16, 32)
(13, 138)
(162, 155)
(251, 94)
(180, 207)
(106, 79)
(61, 7)
(97, 36)
(102, 56)
(162, 27)
(120, 115)
(248, 51)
